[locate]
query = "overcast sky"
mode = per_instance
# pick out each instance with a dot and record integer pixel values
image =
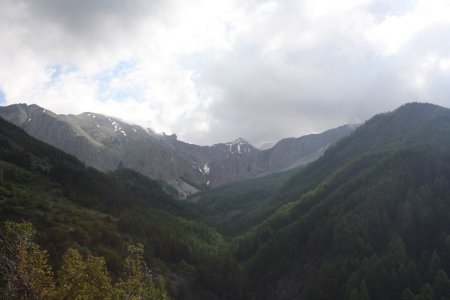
(211, 71)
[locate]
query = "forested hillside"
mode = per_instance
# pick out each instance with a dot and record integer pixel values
(234, 208)
(369, 220)
(72, 206)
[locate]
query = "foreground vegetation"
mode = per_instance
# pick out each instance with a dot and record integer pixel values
(27, 273)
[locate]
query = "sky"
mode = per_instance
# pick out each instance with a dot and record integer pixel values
(213, 71)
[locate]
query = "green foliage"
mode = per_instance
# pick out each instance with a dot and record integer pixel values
(372, 227)
(171, 238)
(367, 220)
(26, 274)
(151, 191)
(139, 282)
(24, 266)
(234, 208)
(83, 278)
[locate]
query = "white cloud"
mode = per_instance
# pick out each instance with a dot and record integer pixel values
(214, 70)
(396, 30)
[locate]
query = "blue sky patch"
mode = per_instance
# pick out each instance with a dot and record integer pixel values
(119, 71)
(2, 97)
(56, 71)
(102, 79)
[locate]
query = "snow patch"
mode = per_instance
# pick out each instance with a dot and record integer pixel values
(240, 141)
(98, 126)
(116, 126)
(124, 133)
(241, 146)
(206, 168)
(207, 183)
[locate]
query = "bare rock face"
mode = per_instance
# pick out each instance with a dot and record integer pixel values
(107, 143)
(293, 152)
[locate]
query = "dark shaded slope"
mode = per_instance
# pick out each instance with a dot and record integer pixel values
(152, 191)
(370, 217)
(234, 208)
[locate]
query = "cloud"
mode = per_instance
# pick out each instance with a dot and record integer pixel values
(317, 68)
(211, 71)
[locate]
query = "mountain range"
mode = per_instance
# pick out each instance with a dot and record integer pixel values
(107, 144)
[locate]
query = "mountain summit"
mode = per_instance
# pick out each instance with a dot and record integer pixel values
(107, 143)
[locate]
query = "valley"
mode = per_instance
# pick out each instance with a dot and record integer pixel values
(356, 212)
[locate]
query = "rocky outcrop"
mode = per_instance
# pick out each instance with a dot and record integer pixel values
(107, 143)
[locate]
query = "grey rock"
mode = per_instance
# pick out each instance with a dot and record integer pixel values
(107, 143)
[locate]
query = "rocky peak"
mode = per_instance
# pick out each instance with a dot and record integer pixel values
(239, 146)
(106, 143)
(240, 141)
